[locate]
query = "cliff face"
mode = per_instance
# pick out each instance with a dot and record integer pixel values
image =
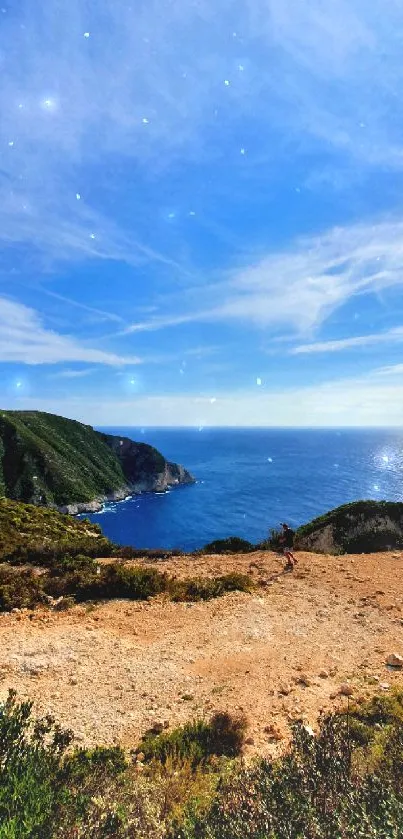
(53, 461)
(360, 527)
(145, 469)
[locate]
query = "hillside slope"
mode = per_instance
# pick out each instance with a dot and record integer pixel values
(49, 460)
(26, 529)
(359, 527)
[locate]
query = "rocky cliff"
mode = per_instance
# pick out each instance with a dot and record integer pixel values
(49, 460)
(360, 527)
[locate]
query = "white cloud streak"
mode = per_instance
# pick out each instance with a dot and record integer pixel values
(24, 339)
(299, 288)
(390, 337)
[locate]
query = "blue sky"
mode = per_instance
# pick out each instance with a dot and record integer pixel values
(201, 211)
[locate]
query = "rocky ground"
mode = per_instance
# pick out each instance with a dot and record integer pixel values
(294, 647)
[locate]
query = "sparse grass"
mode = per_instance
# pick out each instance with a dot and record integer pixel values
(41, 536)
(79, 579)
(232, 545)
(198, 741)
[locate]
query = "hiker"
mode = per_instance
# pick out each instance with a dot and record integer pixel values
(287, 542)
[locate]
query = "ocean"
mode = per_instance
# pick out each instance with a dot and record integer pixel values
(250, 480)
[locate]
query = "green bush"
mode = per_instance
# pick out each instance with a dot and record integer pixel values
(323, 787)
(198, 741)
(140, 583)
(310, 793)
(204, 588)
(232, 545)
(71, 564)
(19, 589)
(31, 791)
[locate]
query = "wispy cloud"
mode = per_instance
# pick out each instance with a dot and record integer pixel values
(73, 374)
(24, 339)
(389, 337)
(300, 287)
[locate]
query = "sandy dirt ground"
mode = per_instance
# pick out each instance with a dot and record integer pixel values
(112, 670)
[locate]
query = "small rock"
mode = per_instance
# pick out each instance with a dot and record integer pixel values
(384, 686)
(250, 741)
(395, 660)
(309, 730)
(140, 757)
(273, 732)
(303, 679)
(73, 681)
(284, 690)
(324, 674)
(187, 697)
(346, 690)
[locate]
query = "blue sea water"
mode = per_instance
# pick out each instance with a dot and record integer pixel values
(249, 480)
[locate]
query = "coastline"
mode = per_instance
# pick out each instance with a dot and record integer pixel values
(159, 485)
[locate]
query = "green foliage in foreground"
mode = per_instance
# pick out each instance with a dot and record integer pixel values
(81, 579)
(324, 787)
(313, 792)
(41, 536)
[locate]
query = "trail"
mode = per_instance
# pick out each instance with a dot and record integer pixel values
(110, 671)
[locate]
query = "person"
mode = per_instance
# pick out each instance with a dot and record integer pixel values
(287, 542)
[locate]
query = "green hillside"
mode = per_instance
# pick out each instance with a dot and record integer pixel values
(47, 459)
(26, 530)
(358, 527)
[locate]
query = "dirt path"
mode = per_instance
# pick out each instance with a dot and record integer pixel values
(109, 672)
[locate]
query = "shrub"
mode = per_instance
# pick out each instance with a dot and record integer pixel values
(272, 543)
(135, 583)
(232, 545)
(312, 792)
(19, 589)
(70, 564)
(140, 583)
(30, 757)
(199, 588)
(198, 741)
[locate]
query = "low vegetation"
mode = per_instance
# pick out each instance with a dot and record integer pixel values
(81, 579)
(232, 545)
(192, 785)
(197, 741)
(32, 535)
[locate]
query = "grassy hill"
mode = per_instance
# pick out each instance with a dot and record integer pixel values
(26, 530)
(359, 527)
(46, 459)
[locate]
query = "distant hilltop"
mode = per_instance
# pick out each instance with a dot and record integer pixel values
(53, 461)
(359, 527)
